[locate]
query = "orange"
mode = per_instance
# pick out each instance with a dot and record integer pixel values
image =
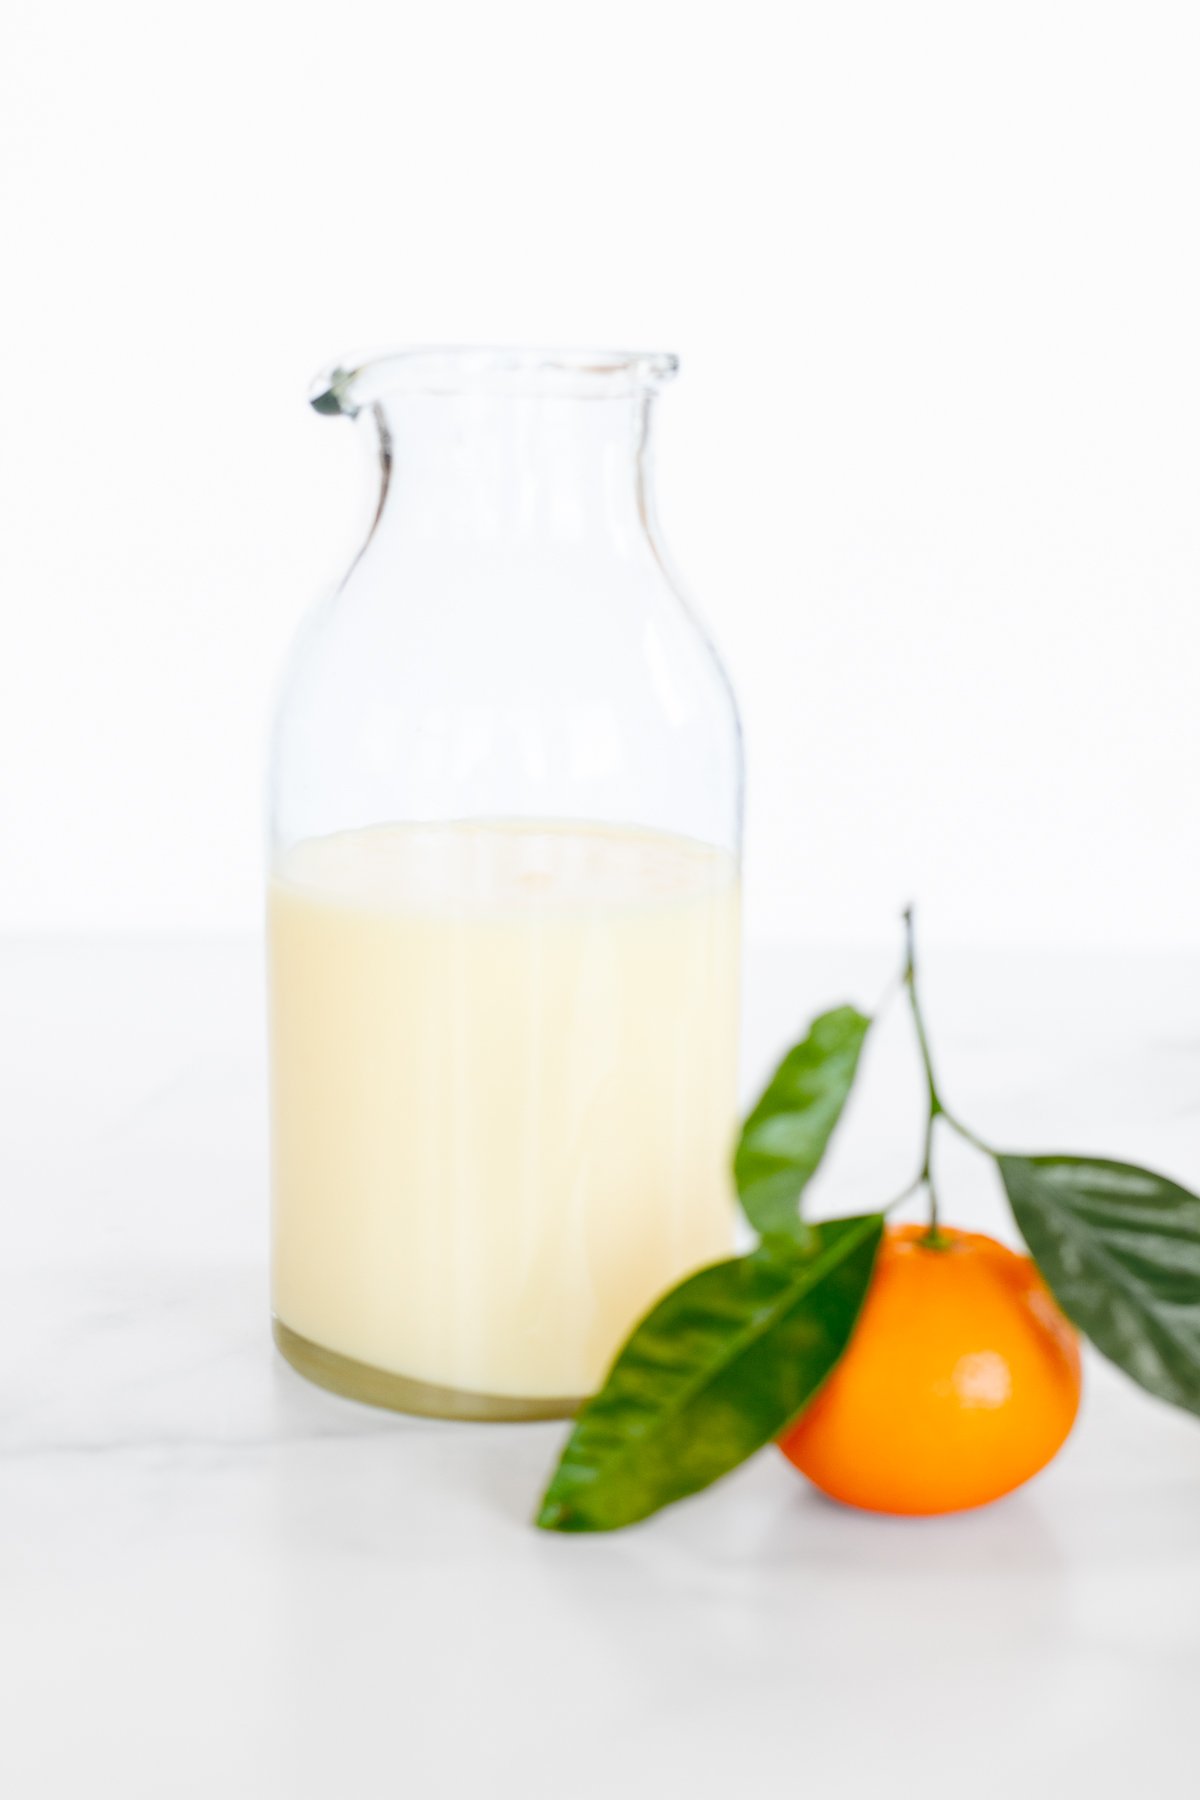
(960, 1382)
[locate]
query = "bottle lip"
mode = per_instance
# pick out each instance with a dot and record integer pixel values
(451, 370)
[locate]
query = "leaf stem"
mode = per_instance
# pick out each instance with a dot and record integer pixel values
(936, 1109)
(968, 1136)
(937, 1106)
(905, 1194)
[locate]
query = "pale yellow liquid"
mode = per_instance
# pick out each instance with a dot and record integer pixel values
(504, 1093)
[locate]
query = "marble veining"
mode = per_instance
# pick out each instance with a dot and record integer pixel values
(215, 1579)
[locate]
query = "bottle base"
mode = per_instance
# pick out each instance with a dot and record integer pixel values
(400, 1393)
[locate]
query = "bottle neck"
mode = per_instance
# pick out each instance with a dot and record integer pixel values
(516, 470)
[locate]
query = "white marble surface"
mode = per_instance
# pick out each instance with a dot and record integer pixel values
(216, 1580)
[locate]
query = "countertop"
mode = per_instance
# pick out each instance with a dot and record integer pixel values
(215, 1579)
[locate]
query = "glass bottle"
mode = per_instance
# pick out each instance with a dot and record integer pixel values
(505, 821)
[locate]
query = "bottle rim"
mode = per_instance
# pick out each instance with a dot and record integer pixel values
(359, 381)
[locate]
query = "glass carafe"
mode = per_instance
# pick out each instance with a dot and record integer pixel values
(505, 823)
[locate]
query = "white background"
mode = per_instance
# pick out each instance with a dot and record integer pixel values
(933, 472)
(932, 469)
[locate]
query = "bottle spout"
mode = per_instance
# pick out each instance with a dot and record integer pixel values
(333, 393)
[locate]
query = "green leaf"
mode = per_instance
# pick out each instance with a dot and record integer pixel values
(715, 1371)
(785, 1137)
(1120, 1249)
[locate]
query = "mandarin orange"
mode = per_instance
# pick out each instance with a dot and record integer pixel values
(961, 1381)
